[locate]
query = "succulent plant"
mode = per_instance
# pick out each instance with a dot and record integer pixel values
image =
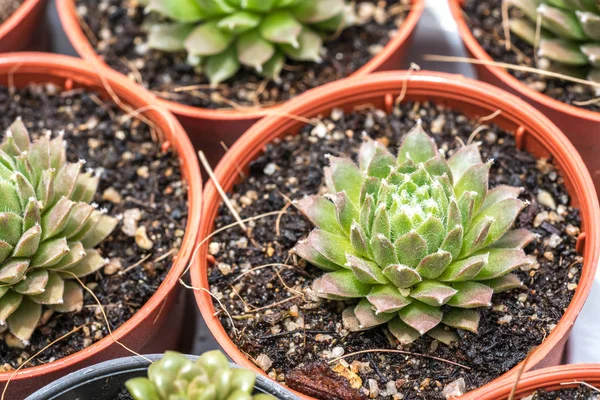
(221, 36)
(417, 239)
(569, 40)
(48, 229)
(210, 377)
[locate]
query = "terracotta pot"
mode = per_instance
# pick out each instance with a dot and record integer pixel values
(157, 325)
(208, 128)
(106, 380)
(535, 134)
(548, 379)
(582, 127)
(23, 29)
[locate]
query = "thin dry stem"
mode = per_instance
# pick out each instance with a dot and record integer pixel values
(594, 388)
(262, 267)
(278, 221)
(489, 117)
(16, 371)
(452, 59)
(506, 25)
(513, 391)
(235, 330)
(587, 102)
(475, 132)
(408, 353)
(400, 98)
(140, 262)
(276, 304)
(538, 34)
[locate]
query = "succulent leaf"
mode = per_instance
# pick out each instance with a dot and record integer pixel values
(222, 35)
(42, 212)
(570, 34)
(416, 239)
(175, 377)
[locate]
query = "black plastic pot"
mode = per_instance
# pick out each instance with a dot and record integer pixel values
(106, 380)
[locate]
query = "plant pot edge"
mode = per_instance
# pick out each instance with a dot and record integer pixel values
(18, 30)
(64, 68)
(246, 148)
(77, 38)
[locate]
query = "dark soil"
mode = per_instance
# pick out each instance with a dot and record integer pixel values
(292, 331)
(8, 7)
(117, 35)
(579, 393)
(485, 20)
(144, 178)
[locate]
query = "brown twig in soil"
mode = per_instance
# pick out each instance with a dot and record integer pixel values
(594, 388)
(276, 304)
(134, 70)
(91, 292)
(103, 105)
(189, 88)
(506, 25)
(278, 221)
(16, 371)
(587, 102)
(453, 59)
(400, 98)
(261, 267)
(287, 287)
(489, 117)
(224, 228)
(235, 330)
(140, 262)
(475, 132)
(408, 353)
(309, 331)
(225, 199)
(167, 254)
(247, 307)
(11, 79)
(88, 31)
(513, 391)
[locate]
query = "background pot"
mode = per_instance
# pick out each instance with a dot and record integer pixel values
(535, 134)
(157, 325)
(106, 380)
(208, 128)
(581, 126)
(24, 29)
(548, 379)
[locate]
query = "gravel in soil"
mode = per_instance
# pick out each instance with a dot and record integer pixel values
(8, 7)
(140, 185)
(115, 29)
(485, 21)
(579, 393)
(281, 324)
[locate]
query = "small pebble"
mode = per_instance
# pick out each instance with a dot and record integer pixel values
(142, 239)
(572, 230)
(571, 286)
(337, 352)
(554, 240)
(319, 131)
(113, 266)
(143, 172)
(264, 362)
(111, 195)
(546, 199)
(224, 268)
(270, 169)
(373, 388)
(213, 248)
(455, 389)
(505, 319)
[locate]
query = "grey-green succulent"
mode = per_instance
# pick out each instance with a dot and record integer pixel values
(569, 40)
(419, 241)
(48, 229)
(221, 36)
(210, 377)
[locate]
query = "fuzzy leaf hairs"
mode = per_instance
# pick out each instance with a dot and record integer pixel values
(417, 240)
(569, 40)
(175, 377)
(48, 229)
(221, 36)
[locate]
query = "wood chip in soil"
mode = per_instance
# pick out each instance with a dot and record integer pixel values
(284, 326)
(115, 30)
(136, 175)
(485, 20)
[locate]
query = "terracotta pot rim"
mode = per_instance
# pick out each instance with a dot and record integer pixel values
(478, 51)
(69, 68)
(380, 84)
(547, 378)
(72, 28)
(18, 16)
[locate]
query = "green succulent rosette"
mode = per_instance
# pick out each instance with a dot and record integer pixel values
(416, 240)
(569, 38)
(221, 36)
(48, 229)
(175, 377)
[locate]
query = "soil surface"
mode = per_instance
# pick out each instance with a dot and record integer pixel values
(580, 393)
(281, 325)
(485, 20)
(115, 29)
(8, 7)
(136, 175)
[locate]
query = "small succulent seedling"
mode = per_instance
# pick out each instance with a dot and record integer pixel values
(221, 36)
(48, 229)
(569, 38)
(175, 377)
(418, 239)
